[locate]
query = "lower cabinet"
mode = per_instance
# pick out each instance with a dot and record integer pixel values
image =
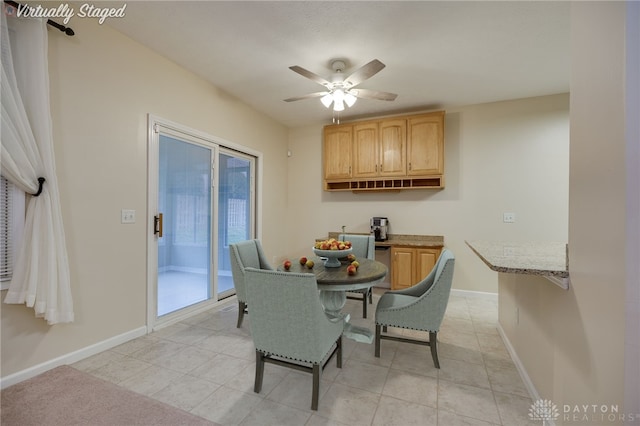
(409, 265)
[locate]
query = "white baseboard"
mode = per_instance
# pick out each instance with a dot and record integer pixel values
(72, 357)
(477, 294)
(528, 384)
(533, 392)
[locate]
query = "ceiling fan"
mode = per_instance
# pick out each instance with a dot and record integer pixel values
(340, 90)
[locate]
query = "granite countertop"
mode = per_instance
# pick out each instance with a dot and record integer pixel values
(412, 240)
(548, 259)
(404, 240)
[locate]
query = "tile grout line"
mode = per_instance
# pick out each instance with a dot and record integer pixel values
(220, 314)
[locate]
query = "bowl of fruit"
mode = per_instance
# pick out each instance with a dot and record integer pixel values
(332, 250)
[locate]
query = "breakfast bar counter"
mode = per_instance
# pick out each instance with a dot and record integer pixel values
(547, 259)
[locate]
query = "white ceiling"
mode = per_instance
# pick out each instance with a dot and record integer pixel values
(438, 54)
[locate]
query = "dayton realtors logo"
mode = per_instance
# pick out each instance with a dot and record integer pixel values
(66, 12)
(544, 410)
(596, 414)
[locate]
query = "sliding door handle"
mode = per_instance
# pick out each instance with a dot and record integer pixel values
(157, 225)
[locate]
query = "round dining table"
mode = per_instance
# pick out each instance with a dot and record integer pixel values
(334, 282)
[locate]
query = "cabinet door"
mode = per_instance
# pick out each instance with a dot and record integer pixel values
(337, 152)
(365, 150)
(393, 135)
(425, 151)
(425, 261)
(402, 268)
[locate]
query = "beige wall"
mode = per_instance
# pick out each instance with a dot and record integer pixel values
(594, 369)
(508, 156)
(572, 343)
(102, 87)
(632, 112)
(505, 156)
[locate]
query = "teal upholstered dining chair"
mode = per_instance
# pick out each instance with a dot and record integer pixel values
(364, 247)
(245, 254)
(420, 307)
(289, 326)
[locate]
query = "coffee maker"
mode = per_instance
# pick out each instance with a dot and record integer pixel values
(379, 228)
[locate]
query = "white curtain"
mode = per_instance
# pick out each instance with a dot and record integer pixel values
(41, 272)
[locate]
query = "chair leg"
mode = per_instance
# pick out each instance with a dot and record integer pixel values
(371, 295)
(339, 354)
(259, 372)
(241, 308)
(316, 386)
(433, 343)
(364, 305)
(377, 350)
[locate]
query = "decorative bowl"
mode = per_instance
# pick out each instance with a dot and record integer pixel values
(332, 256)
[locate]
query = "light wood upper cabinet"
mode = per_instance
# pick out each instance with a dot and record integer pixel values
(387, 154)
(337, 151)
(366, 156)
(425, 151)
(393, 139)
(379, 148)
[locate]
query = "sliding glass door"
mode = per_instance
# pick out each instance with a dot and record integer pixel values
(201, 199)
(235, 210)
(184, 200)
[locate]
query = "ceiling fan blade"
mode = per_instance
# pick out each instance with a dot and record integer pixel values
(365, 72)
(311, 76)
(310, 95)
(374, 94)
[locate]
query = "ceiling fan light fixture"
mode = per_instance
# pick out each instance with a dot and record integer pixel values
(338, 95)
(338, 100)
(326, 100)
(350, 99)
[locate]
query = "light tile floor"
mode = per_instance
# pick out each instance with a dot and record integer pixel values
(205, 365)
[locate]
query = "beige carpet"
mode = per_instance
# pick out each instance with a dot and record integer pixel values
(65, 396)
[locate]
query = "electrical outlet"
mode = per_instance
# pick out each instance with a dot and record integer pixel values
(508, 251)
(128, 216)
(508, 217)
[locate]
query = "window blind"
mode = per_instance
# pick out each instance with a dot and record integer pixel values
(6, 230)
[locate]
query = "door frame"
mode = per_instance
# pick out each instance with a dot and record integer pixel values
(223, 150)
(154, 123)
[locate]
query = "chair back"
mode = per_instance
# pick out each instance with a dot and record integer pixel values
(287, 318)
(245, 254)
(364, 246)
(437, 294)
(422, 306)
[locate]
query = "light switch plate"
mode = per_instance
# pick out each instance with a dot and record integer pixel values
(128, 216)
(508, 217)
